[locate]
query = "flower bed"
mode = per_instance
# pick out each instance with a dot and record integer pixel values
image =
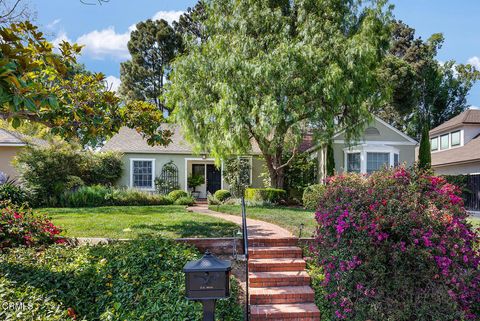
(396, 246)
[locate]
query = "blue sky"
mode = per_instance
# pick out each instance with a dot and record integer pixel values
(104, 29)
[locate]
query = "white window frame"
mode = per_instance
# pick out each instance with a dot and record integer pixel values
(367, 148)
(153, 173)
(437, 138)
(459, 138)
(448, 140)
(346, 160)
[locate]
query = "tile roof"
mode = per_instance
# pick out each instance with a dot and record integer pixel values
(466, 153)
(8, 137)
(470, 116)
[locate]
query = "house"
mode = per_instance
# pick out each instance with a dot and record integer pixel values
(175, 162)
(455, 145)
(380, 145)
(10, 144)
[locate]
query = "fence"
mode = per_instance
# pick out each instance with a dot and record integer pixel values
(472, 196)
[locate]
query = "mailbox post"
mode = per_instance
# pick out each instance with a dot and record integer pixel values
(207, 280)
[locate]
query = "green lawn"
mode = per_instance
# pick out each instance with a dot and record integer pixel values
(287, 217)
(132, 221)
(475, 221)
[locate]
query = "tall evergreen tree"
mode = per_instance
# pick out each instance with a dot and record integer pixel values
(153, 45)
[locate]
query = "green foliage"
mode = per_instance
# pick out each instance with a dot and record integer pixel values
(194, 181)
(185, 200)
(53, 170)
(12, 193)
(99, 195)
(175, 195)
(236, 173)
(424, 152)
(42, 86)
(311, 196)
(137, 280)
(300, 173)
(268, 195)
(222, 195)
(267, 68)
(152, 46)
(19, 226)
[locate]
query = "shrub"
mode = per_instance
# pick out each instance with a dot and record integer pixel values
(212, 200)
(19, 226)
(137, 280)
(98, 195)
(222, 195)
(176, 194)
(269, 195)
(10, 192)
(396, 246)
(51, 171)
(312, 195)
(185, 200)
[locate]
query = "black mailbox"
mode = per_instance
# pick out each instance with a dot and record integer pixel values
(207, 278)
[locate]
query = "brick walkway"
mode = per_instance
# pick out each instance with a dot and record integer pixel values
(279, 285)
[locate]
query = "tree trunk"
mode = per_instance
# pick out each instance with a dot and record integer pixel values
(276, 172)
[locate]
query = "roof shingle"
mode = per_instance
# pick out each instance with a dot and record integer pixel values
(470, 116)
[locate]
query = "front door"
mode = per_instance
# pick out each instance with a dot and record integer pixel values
(214, 179)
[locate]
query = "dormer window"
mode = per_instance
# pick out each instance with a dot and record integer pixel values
(455, 138)
(434, 144)
(444, 143)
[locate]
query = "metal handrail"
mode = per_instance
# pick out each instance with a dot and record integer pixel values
(245, 247)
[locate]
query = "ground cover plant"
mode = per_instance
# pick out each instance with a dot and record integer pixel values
(136, 280)
(132, 221)
(396, 245)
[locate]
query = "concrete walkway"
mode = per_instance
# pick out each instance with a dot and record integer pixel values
(256, 228)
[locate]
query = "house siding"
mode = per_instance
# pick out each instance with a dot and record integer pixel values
(458, 169)
(7, 153)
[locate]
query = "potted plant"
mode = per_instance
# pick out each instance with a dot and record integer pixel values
(193, 182)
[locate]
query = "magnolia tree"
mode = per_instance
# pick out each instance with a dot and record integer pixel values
(268, 70)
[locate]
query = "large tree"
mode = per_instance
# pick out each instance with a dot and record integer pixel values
(270, 69)
(190, 24)
(41, 86)
(153, 45)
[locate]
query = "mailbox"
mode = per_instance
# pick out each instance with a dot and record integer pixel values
(207, 278)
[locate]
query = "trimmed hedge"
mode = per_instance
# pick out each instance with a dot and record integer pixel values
(269, 195)
(222, 195)
(312, 195)
(185, 200)
(176, 194)
(136, 280)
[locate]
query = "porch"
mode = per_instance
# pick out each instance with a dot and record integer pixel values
(206, 169)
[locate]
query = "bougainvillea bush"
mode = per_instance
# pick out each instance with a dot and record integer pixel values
(19, 226)
(396, 245)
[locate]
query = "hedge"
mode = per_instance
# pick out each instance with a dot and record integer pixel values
(222, 195)
(269, 195)
(311, 196)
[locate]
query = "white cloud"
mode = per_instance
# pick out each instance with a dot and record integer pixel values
(113, 82)
(168, 16)
(106, 42)
(474, 61)
(61, 36)
(52, 25)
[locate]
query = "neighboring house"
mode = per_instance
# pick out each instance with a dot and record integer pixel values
(455, 145)
(143, 163)
(10, 144)
(380, 145)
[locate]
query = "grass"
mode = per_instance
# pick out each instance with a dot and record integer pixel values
(132, 221)
(475, 221)
(286, 217)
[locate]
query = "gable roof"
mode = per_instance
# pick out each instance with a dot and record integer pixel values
(470, 152)
(11, 138)
(468, 117)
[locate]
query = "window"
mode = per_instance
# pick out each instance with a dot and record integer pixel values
(434, 144)
(372, 131)
(396, 160)
(376, 161)
(198, 170)
(444, 144)
(455, 138)
(353, 162)
(142, 173)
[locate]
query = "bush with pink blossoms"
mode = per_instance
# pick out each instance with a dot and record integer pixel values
(396, 246)
(19, 226)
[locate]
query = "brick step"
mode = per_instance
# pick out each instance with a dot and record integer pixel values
(276, 265)
(275, 252)
(289, 278)
(281, 294)
(290, 312)
(283, 241)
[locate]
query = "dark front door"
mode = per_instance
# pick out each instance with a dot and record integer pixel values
(214, 179)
